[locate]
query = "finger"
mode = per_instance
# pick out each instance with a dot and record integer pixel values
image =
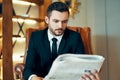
(86, 77)
(83, 77)
(91, 76)
(96, 75)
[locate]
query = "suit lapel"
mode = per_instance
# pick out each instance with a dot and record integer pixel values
(46, 41)
(63, 42)
(61, 46)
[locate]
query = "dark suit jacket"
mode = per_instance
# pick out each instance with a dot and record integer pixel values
(39, 55)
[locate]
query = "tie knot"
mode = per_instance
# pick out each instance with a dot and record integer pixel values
(54, 39)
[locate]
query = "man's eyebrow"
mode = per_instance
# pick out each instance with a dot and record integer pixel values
(65, 20)
(59, 20)
(55, 19)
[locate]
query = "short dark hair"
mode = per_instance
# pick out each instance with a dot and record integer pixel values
(58, 6)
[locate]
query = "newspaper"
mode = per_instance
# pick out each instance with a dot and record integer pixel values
(73, 66)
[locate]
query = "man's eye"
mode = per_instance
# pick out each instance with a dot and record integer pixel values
(64, 21)
(56, 21)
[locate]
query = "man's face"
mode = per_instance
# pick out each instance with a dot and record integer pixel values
(57, 22)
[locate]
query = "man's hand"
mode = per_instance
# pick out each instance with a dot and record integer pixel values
(91, 76)
(36, 78)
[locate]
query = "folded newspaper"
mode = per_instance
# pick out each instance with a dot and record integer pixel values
(73, 66)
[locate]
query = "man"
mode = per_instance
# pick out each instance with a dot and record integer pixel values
(40, 55)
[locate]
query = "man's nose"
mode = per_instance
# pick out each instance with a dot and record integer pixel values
(60, 25)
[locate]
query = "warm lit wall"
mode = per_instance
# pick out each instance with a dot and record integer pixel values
(21, 9)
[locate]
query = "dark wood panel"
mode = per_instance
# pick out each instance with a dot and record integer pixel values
(7, 27)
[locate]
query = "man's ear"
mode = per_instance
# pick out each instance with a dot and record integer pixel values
(46, 19)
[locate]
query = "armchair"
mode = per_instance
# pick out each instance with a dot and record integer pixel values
(84, 32)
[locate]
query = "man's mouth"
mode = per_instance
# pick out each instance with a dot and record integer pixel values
(59, 30)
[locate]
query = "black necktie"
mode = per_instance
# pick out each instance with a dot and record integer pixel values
(54, 48)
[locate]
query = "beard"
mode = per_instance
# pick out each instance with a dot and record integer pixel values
(57, 32)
